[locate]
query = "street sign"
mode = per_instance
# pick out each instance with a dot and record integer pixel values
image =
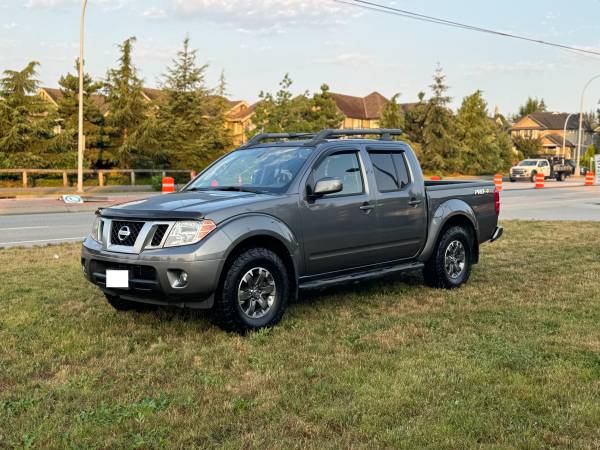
(72, 199)
(597, 169)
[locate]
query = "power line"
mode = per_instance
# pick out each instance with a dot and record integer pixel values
(363, 4)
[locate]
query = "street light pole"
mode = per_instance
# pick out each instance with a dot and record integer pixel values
(565, 135)
(579, 137)
(80, 138)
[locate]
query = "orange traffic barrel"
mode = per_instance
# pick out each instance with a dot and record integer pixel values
(436, 178)
(498, 181)
(539, 180)
(168, 185)
(589, 179)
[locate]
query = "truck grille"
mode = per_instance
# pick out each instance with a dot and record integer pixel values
(136, 272)
(159, 234)
(125, 233)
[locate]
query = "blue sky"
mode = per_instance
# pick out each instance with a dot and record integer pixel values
(356, 52)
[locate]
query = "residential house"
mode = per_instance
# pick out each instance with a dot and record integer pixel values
(550, 128)
(363, 112)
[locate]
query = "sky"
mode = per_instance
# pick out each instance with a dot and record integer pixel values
(356, 52)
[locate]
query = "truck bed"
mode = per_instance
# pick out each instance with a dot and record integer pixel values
(478, 194)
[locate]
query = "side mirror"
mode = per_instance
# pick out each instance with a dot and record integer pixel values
(327, 186)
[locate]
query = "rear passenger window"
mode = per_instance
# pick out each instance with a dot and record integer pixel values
(391, 173)
(385, 172)
(402, 169)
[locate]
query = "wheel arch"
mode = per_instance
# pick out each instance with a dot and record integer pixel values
(263, 231)
(451, 213)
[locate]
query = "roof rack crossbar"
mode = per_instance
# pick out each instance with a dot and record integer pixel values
(257, 139)
(384, 133)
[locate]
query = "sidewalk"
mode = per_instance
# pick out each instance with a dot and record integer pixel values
(32, 192)
(28, 205)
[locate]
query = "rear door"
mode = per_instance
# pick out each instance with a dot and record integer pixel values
(339, 230)
(400, 203)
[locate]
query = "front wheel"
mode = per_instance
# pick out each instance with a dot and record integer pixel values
(533, 174)
(254, 293)
(450, 264)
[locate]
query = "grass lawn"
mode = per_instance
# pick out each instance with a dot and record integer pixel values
(512, 360)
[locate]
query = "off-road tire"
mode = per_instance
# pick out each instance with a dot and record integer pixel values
(560, 177)
(125, 305)
(435, 273)
(227, 312)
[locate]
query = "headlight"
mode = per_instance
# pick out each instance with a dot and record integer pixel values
(188, 232)
(96, 233)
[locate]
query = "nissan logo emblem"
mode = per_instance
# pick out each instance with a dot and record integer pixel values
(124, 233)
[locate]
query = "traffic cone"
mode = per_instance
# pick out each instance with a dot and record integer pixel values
(589, 179)
(498, 181)
(539, 180)
(168, 185)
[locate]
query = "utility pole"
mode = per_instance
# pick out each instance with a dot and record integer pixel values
(80, 138)
(580, 136)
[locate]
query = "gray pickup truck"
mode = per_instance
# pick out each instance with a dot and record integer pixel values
(287, 212)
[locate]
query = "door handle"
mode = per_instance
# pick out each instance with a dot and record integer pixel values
(414, 202)
(367, 207)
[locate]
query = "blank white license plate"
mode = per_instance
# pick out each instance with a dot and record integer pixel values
(117, 279)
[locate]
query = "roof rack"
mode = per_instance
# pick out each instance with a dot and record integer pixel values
(384, 133)
(257, 139)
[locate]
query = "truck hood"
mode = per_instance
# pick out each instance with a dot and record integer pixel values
(182, 205)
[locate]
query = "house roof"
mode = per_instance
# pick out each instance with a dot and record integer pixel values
(369, 107)
(557, 140)
(555, 121)
(153, 94)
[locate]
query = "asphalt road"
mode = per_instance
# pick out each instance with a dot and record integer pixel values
(37, 229)
(564, 203)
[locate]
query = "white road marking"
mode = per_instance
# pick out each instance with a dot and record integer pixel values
(23, 228)
(43, 240)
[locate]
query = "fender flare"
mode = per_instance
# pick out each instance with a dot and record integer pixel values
(252, 225)
(445, 212)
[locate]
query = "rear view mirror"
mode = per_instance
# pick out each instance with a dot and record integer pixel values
(327, 186)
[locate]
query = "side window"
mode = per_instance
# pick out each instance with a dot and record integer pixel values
(385, 172)
(402, 169)
(346, 168)
(391, 172)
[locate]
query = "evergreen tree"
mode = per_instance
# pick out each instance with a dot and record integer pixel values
(414, 120)
(440, 148)
(191, 120)
(392, 116)
(127, 108)
(531, 105)
(96, 138)
(25, 123)
(281, 112)
(528, 147)
(324, 112)
(484, 150)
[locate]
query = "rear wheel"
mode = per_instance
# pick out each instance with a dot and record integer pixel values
(512, 180)
(254, 293)
(560, 177)
(450, 264)
(125, 305)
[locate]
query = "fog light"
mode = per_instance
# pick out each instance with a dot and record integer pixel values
(178, 278)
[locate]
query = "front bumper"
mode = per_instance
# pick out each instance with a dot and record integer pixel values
(497, 234)
(149, 275)
(518, 176)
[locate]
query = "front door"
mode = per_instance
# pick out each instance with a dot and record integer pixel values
(339, 230)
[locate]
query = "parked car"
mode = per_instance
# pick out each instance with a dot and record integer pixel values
(553, 167)
(272, 218)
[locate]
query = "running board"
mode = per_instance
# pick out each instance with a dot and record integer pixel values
(359, 276)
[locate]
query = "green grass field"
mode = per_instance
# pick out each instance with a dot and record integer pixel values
(512, 360)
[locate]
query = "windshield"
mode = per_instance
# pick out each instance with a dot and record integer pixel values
(528, 162)
(262, 169)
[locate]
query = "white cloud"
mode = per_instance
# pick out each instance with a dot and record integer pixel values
(255, 16)
(356, 60)
(58, 4)
(517, 67)
(155, 13)
(10, 26)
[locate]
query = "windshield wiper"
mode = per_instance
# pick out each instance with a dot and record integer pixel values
(228, 189)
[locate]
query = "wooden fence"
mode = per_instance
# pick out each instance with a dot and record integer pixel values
(25, 173)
